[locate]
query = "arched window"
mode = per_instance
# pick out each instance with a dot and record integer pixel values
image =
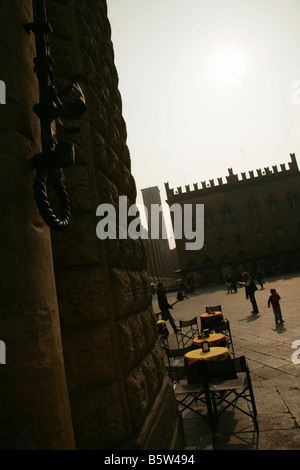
(227, 214)
(259, 234)
(293, 201)
(253, 210)
(208, 220)
(273, 206)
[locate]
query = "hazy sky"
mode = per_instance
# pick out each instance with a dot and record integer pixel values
(206, 85)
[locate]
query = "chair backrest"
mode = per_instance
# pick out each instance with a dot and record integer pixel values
(214, 323)
(223, 326)
(187, 323)
(215, 308)
(179, 352)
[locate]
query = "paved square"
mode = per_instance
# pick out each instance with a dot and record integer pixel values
(268, 349)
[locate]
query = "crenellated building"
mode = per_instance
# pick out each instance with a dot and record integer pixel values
(249, 222)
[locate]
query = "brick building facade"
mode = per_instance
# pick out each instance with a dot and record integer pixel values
(249, 222)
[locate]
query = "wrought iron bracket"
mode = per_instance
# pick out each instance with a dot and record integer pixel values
(53, 112)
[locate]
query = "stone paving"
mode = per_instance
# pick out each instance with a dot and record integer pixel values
(268, 349)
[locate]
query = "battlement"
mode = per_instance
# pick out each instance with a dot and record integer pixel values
(232, 178)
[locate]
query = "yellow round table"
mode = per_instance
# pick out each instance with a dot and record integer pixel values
(214, 339)
(217, 353)
(205, 315)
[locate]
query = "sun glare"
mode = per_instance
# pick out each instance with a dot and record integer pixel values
(227, 66)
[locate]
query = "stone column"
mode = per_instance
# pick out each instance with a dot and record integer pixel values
(34, 403)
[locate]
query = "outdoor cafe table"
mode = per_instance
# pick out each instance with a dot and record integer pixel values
(206, 317)
(216, 353)
(214, 339)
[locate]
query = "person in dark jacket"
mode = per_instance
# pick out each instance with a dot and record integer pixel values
(250, 288)
(181, 295)
(165, 306)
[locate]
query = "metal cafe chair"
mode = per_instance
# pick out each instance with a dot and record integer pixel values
(188, 331)
(188, 396)
(224, 328)
(226, 393)
(215, 308)
(212, 321)
(176, 366)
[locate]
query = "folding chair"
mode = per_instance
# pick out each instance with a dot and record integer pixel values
(224, 328)
(227, 392)
(176, 366)
(215, 308)
(214, 323)
(187, 395)
(188, 331)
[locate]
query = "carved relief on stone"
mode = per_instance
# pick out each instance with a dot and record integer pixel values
(77, 139)
(97, 417)
(137, 337)
(113, 135)
(151, 376)
(139, 345)
(88, 357)
(137, 290)
(77, 245)
(139, 260)
(81, 295)
(60, 16)
(129, 291)
(122, 293)
(146, 287)
(87, 39)
(125, 157)
(97, 114)
(63, 53)
(127, 359)
(99, 151)
(126, 253)
(111, 248)
(157, 354)
(137, 396)
(106, 190)
(90, 71)
(119, 174)
(78, 187)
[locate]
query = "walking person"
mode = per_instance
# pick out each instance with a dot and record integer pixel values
(250, 289)
(165, 306)
(274, 301)
(259, 278)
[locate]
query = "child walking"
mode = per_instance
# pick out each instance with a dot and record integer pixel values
(274, 301)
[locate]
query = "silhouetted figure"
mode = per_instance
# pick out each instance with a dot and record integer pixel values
(165, 306)
(250, 289)
(181, 295)
(274, 301)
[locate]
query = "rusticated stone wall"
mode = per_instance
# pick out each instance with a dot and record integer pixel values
(119, 392)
